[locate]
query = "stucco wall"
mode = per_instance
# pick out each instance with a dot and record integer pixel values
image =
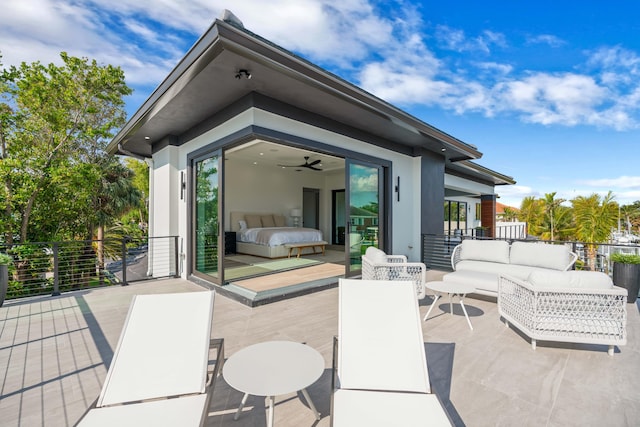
(171, 216)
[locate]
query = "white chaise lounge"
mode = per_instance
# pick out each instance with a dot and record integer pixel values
(159, 374)
(379, 363)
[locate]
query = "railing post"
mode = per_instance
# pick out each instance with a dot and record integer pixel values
(56, 270)
(124, 261)
(175, 255)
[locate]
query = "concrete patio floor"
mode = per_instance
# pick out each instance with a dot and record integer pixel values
(54, 354)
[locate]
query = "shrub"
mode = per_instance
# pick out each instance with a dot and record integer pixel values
(625, 258)
(5, 259)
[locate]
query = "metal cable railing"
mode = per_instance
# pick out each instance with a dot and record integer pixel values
(49, 268)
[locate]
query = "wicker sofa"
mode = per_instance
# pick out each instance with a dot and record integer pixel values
(569, 306)
(377, 265)
(480, 262)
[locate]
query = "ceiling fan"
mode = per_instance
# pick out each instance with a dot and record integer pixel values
(306, 164)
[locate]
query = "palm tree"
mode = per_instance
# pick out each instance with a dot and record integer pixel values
(531, 212)
(594, 218)
(550, 205)
(116, 196)
(562, 220)
(509, 214)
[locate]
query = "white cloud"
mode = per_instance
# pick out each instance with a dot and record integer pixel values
(385, 54)
(620, 182)
(548, 39)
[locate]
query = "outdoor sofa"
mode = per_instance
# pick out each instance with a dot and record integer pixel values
(565, 306)
(480, 262)
(538, 294)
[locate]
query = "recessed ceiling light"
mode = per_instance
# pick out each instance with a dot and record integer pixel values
(262, 154)
(147, 138)
(255, 163)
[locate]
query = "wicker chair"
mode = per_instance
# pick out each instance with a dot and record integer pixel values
(377, 265)
(579, 315)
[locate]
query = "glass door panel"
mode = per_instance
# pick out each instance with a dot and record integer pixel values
(206, 219)
(364, 198)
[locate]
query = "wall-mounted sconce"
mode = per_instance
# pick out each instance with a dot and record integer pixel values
(397, 189)
(296, 213)
(243, 73)
(183, 185)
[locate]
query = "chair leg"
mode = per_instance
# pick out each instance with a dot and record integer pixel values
(610, 350)
(533, 344)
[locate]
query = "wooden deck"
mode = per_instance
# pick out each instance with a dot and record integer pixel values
(54, 353)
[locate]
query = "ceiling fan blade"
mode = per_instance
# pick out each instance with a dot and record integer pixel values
(315, 169)
(315, 162)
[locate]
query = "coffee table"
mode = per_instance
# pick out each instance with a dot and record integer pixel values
(273, 368)
(451, 288)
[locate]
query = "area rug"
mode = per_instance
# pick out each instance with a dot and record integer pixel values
(292, 277)
(266, 267)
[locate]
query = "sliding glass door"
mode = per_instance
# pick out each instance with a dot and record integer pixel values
(365, 203)
(206, 259)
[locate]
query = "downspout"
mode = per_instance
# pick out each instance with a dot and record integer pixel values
(149, 162)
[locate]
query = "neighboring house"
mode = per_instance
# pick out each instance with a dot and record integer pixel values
(242, 125)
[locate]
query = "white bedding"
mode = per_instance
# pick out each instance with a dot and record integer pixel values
(275, 236)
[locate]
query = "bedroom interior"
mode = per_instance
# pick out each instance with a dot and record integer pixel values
(264, 200)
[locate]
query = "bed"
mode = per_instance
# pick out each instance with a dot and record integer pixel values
(266, 234)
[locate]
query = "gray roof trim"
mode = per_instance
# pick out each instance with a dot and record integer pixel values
(473, 171)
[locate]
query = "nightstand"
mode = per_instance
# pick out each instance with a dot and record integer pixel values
(229, 242)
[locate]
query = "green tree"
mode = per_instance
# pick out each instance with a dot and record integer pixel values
(551, 204)
(509, 214)
(140, 179)
(562, 220)
(115, 196)
(594, 218)
(532, 212)
(53, 120)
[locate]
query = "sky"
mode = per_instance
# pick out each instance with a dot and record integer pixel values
(548, 91)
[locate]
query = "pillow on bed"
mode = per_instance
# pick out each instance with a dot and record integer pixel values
(267, 221)
(253, 221)
(242, 224)
(280, 220)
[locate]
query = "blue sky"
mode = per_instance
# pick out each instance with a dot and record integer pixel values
(548, 91)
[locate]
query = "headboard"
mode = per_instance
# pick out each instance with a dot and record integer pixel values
(237, 216)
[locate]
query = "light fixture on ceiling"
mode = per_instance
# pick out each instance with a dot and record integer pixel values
(243, 73)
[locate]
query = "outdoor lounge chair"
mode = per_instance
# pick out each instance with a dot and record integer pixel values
(380, 375)
(159, 374)
(377, 265)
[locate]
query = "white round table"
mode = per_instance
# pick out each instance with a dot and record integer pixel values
(451, 288)
(273, 368)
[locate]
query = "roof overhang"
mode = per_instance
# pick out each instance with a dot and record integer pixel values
(204, 83)
(474, 171)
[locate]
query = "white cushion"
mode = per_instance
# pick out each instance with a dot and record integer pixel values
(479, 280)
(570, 279)
(485, 250)
(243, 224)
(375, 255)
(543, 255)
